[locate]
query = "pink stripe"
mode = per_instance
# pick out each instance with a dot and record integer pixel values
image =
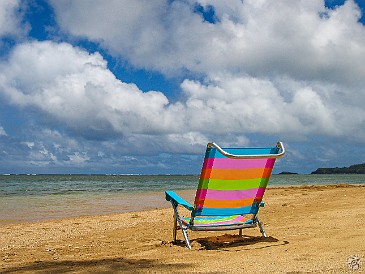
(229, 194)
(228, 163)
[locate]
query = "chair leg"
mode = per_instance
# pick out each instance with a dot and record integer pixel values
(174, 229)
(262, 230)
(183, 229)
(185, 233)
(240, 232)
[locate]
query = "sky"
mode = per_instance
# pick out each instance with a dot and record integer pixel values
(140, 87)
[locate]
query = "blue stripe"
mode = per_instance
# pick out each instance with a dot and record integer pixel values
(213, 153)
(226, 211)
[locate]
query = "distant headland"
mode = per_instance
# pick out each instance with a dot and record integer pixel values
(354, 169)
(287, 173)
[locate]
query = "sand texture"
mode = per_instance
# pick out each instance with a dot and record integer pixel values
(312, 229)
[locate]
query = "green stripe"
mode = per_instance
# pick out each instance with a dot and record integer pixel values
(219, 184)
(214, 220)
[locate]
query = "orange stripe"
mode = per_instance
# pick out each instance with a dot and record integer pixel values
(205, 173)
(237, 174)
(225, 203)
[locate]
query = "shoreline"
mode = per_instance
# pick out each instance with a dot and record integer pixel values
(308, 229)
(116, 203)
(48, 208)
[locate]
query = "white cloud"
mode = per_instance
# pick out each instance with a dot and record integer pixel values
(293, 68)
(279, 106)
(78, 91)
(301, 39)
(287, 68)
(2, 131)
(30, 145)
(78, 158)
(10, 19)
(40, 156)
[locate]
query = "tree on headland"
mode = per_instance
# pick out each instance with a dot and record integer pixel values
(354, 169)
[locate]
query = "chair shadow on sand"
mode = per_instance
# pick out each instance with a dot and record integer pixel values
(102, 265)
(229, 241)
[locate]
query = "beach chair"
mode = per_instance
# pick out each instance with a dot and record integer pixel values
(230, 190)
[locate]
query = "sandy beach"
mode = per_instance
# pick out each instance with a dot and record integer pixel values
(312, 229)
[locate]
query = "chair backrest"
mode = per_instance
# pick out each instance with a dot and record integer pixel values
(233, 180)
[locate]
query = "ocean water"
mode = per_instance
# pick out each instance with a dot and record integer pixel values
(43, 197)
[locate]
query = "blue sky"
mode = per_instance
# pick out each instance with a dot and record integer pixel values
(142, 86)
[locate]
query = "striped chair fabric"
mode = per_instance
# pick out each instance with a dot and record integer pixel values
(230, 189)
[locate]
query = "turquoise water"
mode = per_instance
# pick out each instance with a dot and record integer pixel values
(317, 179)
(43, 197)
(39, 185)
(43, 185)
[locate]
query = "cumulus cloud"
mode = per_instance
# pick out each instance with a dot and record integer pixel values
(301, 39)
(77, 90)
(272, 68)
(10, 19)
(279, 106)
(291, 68)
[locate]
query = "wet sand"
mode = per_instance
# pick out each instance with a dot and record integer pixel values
(50, 207)
(312, 229)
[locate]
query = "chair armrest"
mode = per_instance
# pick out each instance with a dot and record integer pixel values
(172, 196)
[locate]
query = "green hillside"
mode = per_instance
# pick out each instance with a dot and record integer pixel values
(354, 169)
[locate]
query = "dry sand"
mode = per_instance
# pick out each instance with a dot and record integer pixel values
(311, 229)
